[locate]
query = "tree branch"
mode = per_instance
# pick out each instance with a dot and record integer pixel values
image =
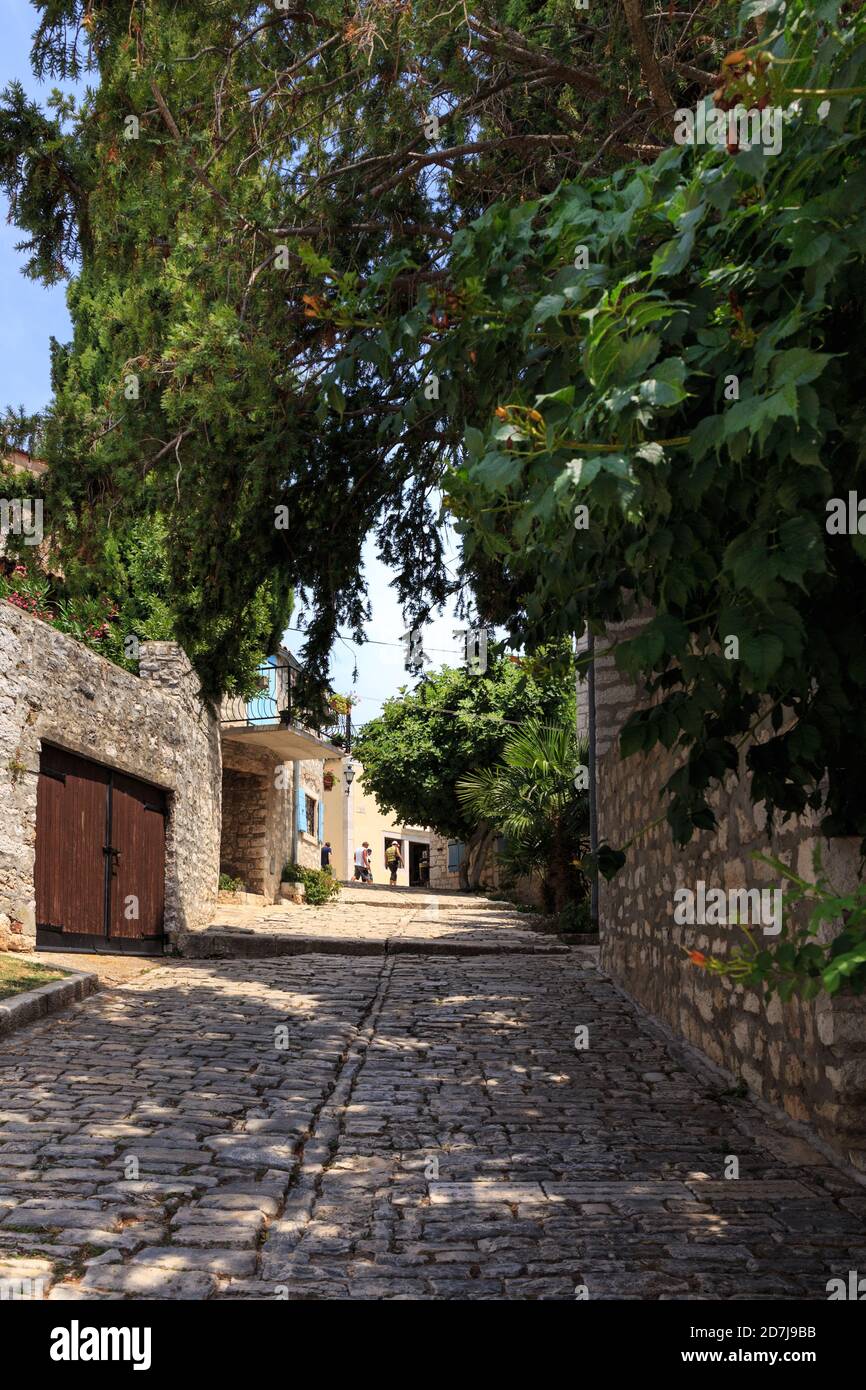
(650, 67)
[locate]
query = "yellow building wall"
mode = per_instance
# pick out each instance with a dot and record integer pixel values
(351, 819)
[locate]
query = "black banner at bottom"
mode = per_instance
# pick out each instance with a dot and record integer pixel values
(250, 1338)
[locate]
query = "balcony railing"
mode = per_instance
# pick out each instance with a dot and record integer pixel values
(274, 706)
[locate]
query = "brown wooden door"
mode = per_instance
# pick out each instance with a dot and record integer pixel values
(137, 897)
(71, 826)
(100, 855)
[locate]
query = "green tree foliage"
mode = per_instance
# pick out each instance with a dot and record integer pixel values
(453, 723)
(674, 350)
(227, 156)
(531, 798)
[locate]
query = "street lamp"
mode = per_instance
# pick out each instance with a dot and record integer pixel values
(349, 774)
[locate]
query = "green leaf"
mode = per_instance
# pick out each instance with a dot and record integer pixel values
(798, 366)
(763, 654)
(548, 307)
(498, 472)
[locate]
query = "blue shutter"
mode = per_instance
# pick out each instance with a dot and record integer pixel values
(321, 822)
(456, 855)
(301, 809)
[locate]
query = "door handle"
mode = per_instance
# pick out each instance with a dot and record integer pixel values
(115, 855)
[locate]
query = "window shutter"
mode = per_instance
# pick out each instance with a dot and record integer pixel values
(301, 809)
(321, 822)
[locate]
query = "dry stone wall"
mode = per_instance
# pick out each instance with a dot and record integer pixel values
(808, 1060)
(259, 803)
(154, 726)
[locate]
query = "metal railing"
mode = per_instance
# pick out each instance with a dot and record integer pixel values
(274, 705)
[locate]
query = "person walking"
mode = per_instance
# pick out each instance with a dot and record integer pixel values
(361, 868)
(393, 860)
(326, 855)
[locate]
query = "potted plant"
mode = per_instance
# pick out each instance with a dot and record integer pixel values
(292, 884)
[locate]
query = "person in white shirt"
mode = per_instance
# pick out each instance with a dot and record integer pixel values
(362, 863)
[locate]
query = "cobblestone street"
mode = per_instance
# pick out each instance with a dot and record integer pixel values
(396, 1126)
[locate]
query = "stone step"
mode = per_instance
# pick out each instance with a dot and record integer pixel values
(252, 945)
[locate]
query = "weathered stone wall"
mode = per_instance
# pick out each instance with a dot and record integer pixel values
(258, 816)
(527, 888)
(153, 726)
(309, 849)
(806, 1059)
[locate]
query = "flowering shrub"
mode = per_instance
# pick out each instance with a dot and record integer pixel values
(799, 963)
(88, 620)
(28, 592)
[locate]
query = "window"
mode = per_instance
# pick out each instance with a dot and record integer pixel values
(311, 814)
(456, 855)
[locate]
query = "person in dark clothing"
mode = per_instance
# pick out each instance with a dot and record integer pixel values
(326, 855)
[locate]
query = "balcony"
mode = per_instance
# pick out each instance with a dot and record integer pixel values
(271, 720)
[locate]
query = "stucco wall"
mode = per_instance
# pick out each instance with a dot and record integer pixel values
(351, 819)
(153, 726)
(808, 1060)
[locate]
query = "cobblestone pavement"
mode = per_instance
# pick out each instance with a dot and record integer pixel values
(327, 1127)
(369, 921)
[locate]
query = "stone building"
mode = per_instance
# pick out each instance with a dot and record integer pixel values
(272, 783)
(807, 1059)
(79, 735)
(122, 795)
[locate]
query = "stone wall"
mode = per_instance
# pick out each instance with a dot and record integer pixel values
(258, 796)
(808, 1060)
(440, 876)
(312, 771)
(526, 889)
(153, 726)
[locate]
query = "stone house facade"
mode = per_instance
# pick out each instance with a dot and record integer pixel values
(352, 816)
(123, 795)
(806, 1059)
(56, 693)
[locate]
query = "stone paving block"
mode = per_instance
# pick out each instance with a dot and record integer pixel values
(459, 1147)
(740, 1190)
(482, 1192)
(617, 1191)
(222, 1262)
(150, 1281)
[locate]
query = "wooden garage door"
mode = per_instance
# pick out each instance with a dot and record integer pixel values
(100, 856)
(137, 899)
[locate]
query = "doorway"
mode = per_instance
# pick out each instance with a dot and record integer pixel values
(100, 857)
(419, 873)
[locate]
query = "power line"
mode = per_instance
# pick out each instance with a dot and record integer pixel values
(378, 642)
(435, 709)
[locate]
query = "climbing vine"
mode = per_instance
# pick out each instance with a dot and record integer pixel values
(671, 397)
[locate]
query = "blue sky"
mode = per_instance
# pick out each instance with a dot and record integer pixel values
(31, 314)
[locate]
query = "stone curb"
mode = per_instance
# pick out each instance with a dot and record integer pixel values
(52, 998)
(217, 945)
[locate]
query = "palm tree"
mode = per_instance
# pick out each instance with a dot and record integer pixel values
(531, 799)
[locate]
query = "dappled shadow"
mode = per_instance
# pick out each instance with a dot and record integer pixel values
(203, 1075)
(478, 1153)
